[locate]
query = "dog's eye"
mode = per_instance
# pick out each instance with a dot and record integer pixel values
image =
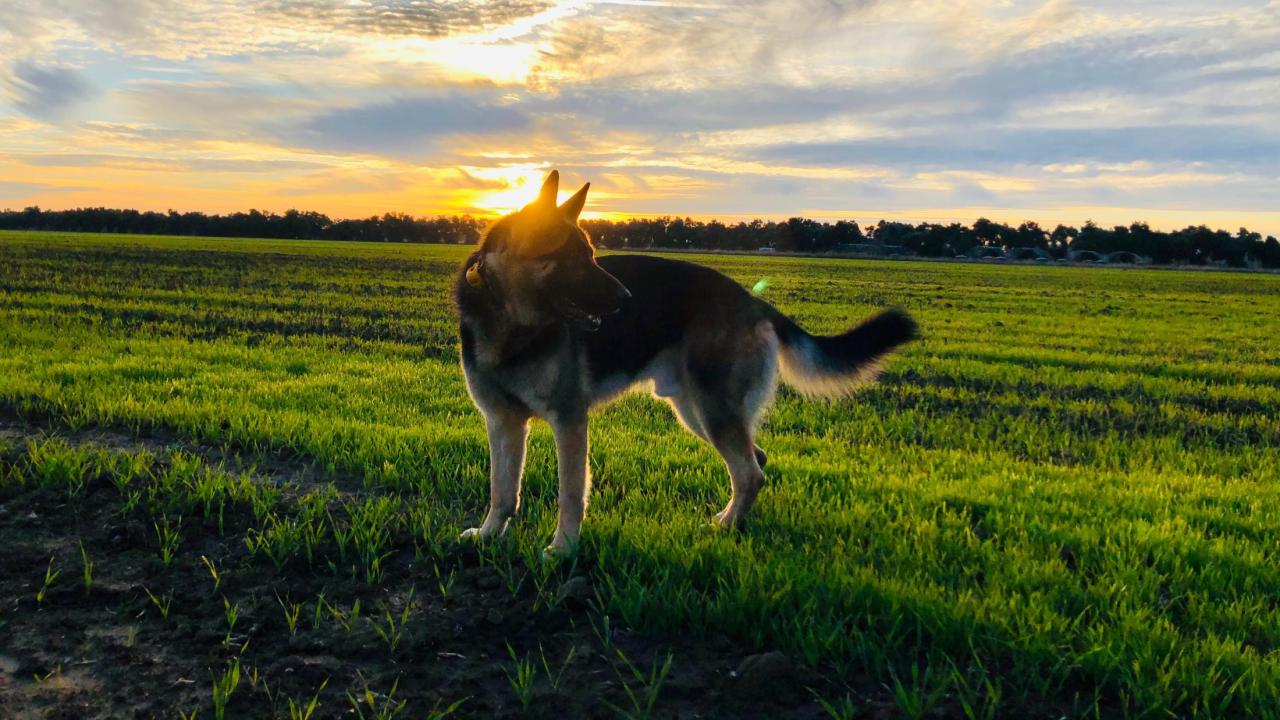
(546, 266)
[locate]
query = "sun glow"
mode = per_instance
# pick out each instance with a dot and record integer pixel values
(460, 59)
(508, 188)
(505, 188)
(506, 54)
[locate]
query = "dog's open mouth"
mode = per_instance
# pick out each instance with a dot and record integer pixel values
(578, 316)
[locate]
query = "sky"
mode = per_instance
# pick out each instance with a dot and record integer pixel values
(1056, 111)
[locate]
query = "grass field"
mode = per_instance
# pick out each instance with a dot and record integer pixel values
(1063, 501)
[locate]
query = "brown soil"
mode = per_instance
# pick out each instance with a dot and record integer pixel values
(107, 652)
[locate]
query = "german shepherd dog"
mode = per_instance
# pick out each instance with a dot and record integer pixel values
(548, 331)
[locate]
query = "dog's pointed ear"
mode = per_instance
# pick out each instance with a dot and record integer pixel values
(572, 207)
(547, 195)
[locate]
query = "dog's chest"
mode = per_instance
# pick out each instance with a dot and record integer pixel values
(547, 383)
(542, 386)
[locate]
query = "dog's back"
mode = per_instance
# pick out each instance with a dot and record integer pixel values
(673, 300)
(670, 301)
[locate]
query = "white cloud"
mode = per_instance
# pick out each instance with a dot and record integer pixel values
(911, 103)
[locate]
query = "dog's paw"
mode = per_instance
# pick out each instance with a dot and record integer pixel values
(487, 531)
(559, 550)
(473, 534)
(725, 520)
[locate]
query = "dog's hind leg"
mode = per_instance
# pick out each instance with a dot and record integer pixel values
(508, 435)
(689, 414)
(690, 417)
(735, 445)
(762, 457)
(730, 432)
(728, 400)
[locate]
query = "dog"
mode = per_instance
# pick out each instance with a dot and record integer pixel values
(549, 331)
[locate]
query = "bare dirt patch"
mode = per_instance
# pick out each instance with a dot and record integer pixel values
(144, 639)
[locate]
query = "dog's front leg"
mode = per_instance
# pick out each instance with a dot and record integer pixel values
(575, 483)
(508, 435)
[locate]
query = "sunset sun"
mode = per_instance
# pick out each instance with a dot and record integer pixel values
(507, 188)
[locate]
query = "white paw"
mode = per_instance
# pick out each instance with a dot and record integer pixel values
(724, 520)
(487, 531)
(559, 550)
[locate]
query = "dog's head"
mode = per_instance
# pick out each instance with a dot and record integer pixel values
(543, 264)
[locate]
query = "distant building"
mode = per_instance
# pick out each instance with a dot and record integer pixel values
(979, 252)
(1124, 257)
(1119, 257)
(1028, 253)
(875, 249)
(1088, 256)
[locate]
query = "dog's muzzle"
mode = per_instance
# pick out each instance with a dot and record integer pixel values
(577, 316)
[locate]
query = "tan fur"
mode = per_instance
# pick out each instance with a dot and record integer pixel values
(798, 371)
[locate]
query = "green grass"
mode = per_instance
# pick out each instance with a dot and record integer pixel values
(1066, 492)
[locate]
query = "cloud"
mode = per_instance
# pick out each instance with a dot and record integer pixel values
(988, 147)
(190, 29)
(10, 190)
(689, 106)
(696, 45)
(398, 17)
(211, 106)
(406, 126)
(164, 164)
(46, 92)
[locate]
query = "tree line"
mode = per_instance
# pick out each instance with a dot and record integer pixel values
(1193, 245)
(292, 225)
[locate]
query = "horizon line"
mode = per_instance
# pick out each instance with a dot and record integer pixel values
(922, 216)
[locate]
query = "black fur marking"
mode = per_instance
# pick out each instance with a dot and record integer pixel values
(666, 297)
(859, 346)
(872, 338)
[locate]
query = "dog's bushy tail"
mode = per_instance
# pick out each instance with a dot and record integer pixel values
(835, 365)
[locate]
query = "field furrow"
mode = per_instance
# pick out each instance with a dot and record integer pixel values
(1063, 500)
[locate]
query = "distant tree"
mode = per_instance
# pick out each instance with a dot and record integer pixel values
(1092, 238)
(844, 232)
(800, 235)
(929, 240)
(1269, 253)
(889, 232)
(714, 235)
(1060, 239)
(1030, 234)
(992, 233)
(1119, 239)
(1195, 244)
